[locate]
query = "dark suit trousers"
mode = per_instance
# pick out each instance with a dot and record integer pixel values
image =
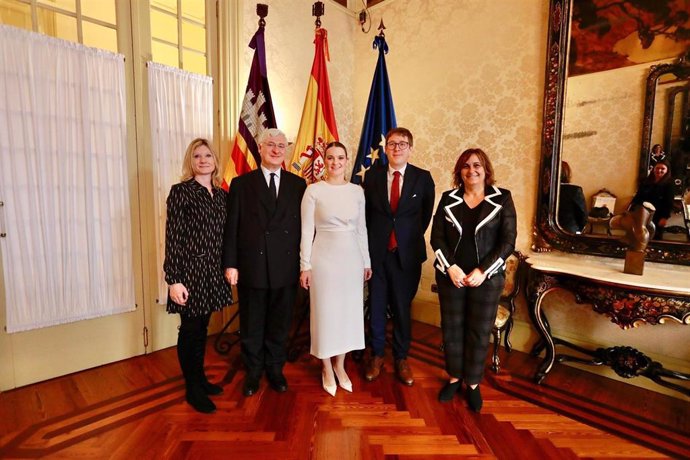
(467, 318)
(392, 285)
(265, 318)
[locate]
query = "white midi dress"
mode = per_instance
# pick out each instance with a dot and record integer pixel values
(334, 247)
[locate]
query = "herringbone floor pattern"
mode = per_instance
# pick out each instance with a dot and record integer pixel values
(87, 415)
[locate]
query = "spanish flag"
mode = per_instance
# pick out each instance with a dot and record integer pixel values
(256, 115)
(317, 127)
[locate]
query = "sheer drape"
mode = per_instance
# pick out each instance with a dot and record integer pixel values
(181, 109)
(67, 255)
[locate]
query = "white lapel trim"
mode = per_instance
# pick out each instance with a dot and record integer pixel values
(458, 200)
(441, 261)
(497, 207)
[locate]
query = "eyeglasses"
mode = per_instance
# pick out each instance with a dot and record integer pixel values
(402, 145)
(272, 145)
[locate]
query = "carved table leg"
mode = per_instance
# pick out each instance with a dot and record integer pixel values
(539, 286)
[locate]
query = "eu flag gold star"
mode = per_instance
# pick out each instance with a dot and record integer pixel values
(362, 171)
(373, 155)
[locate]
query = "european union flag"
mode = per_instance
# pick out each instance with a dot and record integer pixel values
(378, 120)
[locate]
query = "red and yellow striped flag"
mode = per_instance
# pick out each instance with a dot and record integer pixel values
(317, 127)
(256, 115)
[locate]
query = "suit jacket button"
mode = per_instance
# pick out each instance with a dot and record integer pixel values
(261, 252)
(267, 232)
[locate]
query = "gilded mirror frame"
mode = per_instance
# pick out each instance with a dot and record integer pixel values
(548, 234)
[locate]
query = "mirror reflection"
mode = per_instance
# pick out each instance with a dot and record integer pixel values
(612, 157)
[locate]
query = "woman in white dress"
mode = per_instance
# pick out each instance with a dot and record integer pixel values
(334, 260)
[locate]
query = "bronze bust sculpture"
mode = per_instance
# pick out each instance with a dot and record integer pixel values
(639, 229)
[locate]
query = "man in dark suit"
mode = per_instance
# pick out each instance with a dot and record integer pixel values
(261, 256)
(399, 206)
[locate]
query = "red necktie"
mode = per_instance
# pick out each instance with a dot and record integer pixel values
(395, 197)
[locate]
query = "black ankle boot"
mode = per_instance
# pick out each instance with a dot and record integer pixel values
(449, 390)
(474, 398)
(211, 389)
(196, 398)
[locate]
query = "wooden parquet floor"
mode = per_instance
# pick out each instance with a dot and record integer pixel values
(135, 409)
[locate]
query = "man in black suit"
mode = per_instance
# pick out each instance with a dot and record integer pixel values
(399, 206)
(261, 256)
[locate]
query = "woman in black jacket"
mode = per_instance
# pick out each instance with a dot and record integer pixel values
(572, 211)
(473, 234)
(657, 189)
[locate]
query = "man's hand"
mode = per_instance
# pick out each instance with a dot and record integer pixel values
(231, 276)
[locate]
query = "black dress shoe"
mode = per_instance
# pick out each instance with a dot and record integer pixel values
(211, 389)
(449, 390)
(278, 382)
(474, 398)
(251, 386)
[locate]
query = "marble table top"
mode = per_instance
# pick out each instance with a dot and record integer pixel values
(657, 276)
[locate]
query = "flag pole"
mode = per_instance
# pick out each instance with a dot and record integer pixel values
(318, 126)
(256, 110)
(379, 117)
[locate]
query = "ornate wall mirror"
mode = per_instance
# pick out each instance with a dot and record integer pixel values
(603, 122)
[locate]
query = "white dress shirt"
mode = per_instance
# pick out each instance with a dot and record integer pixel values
(267, 177)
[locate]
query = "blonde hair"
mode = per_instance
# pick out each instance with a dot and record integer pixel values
(188, 170)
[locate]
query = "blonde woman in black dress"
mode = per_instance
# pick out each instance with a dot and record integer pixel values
(193, 271)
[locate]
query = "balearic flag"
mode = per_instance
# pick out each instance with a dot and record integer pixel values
(317, 127)
(256, 115)
(378, 120)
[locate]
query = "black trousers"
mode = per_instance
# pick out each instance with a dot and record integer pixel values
(265, 318)
(467, 318)
(392, 285)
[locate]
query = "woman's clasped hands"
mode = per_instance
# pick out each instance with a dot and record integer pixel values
(475, 278)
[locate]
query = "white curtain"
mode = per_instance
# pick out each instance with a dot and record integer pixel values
(67, 254)
(180, 110)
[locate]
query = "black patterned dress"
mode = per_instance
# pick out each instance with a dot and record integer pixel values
(193, 247)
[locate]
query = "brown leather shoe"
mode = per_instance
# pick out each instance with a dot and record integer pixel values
(403, 372)
(374, 368)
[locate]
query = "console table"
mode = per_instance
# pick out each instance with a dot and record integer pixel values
(662, 294)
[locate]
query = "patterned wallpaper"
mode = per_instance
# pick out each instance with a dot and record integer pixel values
(464, 73)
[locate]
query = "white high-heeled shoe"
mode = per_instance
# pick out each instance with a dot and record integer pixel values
(344, 382)
(330, 389)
